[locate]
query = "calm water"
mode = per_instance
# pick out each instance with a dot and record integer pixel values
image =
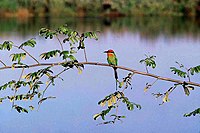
(170, 39)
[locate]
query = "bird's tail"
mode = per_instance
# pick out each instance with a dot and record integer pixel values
(116, 76)
(115, 72)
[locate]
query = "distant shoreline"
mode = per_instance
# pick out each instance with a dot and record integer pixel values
(98, 8)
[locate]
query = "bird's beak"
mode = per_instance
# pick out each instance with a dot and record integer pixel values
(105, 52)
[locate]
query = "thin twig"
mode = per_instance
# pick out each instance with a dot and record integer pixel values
(27, 53)
(142, 73)
(85, 55)
(146, 69)
(43, 93)
(188, 76)
(60, 42)
(2, 62)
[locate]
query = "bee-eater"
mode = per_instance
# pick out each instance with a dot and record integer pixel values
(112, 60)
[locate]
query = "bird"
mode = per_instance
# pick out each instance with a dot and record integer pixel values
(112, 60)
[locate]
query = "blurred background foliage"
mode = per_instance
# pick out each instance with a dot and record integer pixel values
(84, 8)
(149, 27)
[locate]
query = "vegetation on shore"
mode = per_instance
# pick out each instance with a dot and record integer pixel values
(19, 8)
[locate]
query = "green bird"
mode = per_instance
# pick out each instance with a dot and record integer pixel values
(112, 60)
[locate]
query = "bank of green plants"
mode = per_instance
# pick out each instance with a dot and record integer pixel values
(95, 7)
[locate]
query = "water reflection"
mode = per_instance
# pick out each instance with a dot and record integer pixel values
(148, 27)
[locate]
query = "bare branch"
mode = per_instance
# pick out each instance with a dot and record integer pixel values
(85, 55)
(2, 62)
(60, 42)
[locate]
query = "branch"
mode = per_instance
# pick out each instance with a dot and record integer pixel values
(60, 43)
(107, 65)
(2, 63)
(85, 55)
(142, 73)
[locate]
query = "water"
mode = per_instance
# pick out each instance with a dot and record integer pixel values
(170, 39)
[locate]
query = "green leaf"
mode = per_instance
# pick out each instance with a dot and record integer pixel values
(130, 106)
(30, 43)
(18, 57)
(195, 112)
(10, 84)
(72, 57)
(121, 84)
(178, 72)
(149, 61)
(47, 33)
(122, 116)
(7, 45)
(194, 70)
(90, 35)
(19, 97)
(49, 54)
(20, 109)
(64, 54)
(63, 29)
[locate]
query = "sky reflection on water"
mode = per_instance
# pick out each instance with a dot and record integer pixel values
(77, 95)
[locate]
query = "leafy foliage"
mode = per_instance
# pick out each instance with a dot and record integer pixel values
(65, 54)
(149, 61)
(47, 33)
(187, 88)
(7, 45)
(112, 102)
(130, 105)
(194, 113)
(30, 43)
(49, 54)
(55, 53)
(10, 84)
(165, 95)
(20, 109)
(127, 81)
(33, 81)
(35, 76)
(187, 72)
(194, 70)
(18, 57)
(178, 72)
(71, 36)
(103, 113)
